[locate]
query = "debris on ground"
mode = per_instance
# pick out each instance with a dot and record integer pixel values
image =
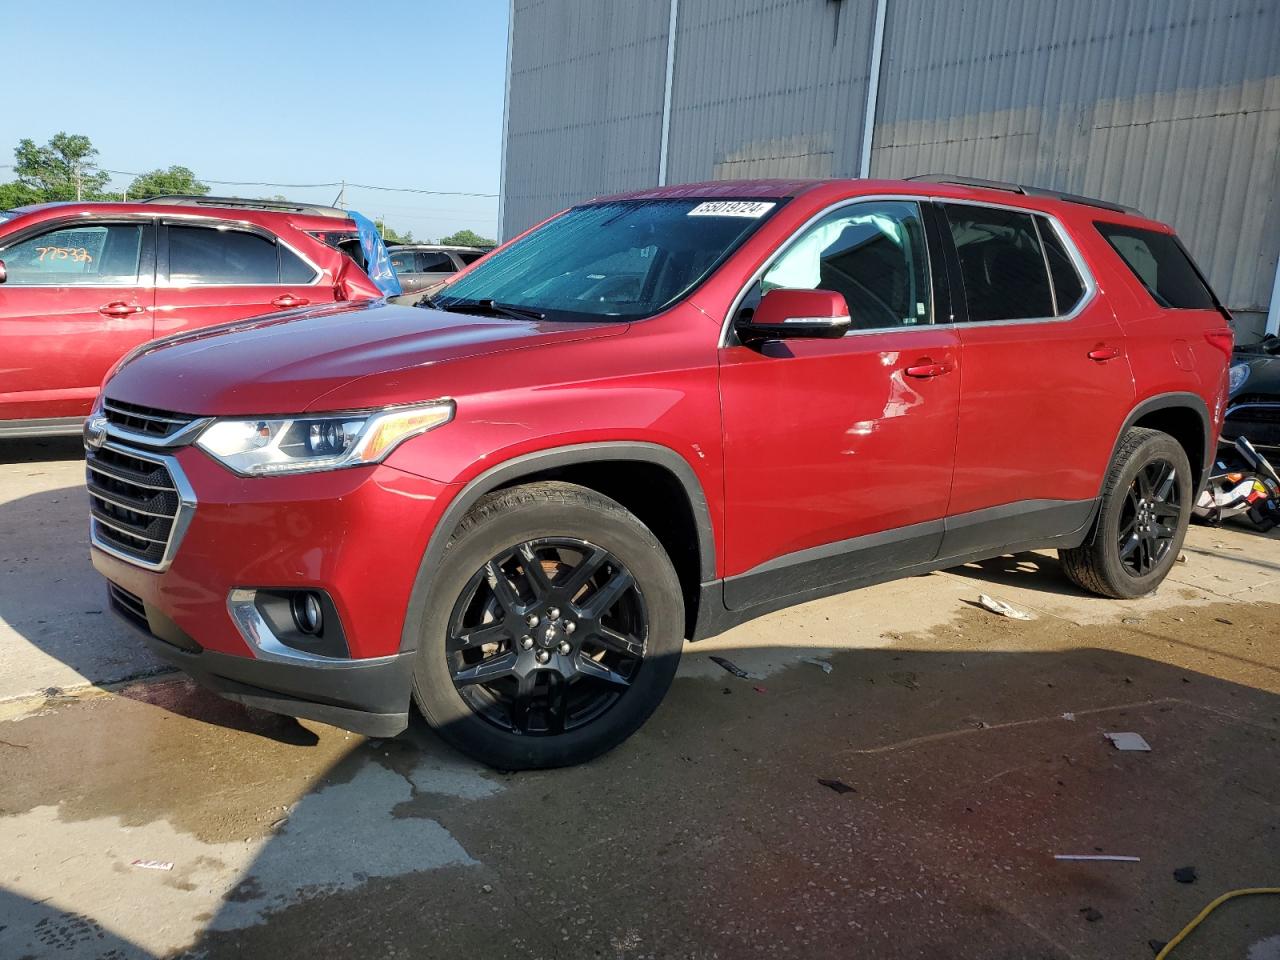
(732, 667)
(1182, 558)
(152, 864)
(760, 689)
(1109, 857)
(1091, 914)
(1068, 715)
(486, 888)
(1157, 945)
(1004, 609)
(824, 664)
(1130, 620)
(839, 786)
(1185, 874)
(1223, 620)
(1128, 741)
(905, 678)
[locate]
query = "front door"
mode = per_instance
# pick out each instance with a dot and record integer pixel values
(838, 453)
(78, 297)
(215, 273)
(1046, 385)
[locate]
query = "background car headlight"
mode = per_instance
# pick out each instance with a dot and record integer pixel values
(1237, 376)
(328, 441)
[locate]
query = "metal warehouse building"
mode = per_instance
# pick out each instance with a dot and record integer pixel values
(1171, 106)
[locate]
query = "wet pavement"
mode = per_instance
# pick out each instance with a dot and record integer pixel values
(972, 745)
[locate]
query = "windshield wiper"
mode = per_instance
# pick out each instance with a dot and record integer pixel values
(486, 306)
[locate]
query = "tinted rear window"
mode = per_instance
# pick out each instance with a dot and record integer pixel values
(1162, 266)
(1001, 262)
(207, 255)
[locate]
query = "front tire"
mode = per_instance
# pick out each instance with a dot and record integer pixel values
(552, 629)
(1146, 506)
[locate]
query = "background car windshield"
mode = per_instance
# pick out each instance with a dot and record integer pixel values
(621, 260)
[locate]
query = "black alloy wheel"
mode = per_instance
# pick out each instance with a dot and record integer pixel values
(1149, 517)
(547, 636)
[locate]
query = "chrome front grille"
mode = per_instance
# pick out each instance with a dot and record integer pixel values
(145, 423)
(139, 502)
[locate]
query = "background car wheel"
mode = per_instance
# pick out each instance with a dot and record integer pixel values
(552, 629)
(1146, 505)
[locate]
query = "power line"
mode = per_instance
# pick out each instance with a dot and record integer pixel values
(309, 186)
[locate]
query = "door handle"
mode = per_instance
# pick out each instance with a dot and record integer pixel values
(926, 369)
(289, 300)
(118, 308)
(1103, 354)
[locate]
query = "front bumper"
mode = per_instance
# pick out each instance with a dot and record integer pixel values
(357, 534)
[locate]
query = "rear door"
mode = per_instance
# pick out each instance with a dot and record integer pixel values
(211, 272)
(1046, 383)
(78, 297)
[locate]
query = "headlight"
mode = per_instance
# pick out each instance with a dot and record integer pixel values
(1237, 376)
(327, 441)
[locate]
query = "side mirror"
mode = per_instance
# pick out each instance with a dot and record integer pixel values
(4, 272)
(784, 314)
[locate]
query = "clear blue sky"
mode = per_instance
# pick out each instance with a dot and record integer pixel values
(401, 94)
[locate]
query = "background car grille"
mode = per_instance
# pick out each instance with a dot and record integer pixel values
(1256, 418)
(160, 424)
(134, 502)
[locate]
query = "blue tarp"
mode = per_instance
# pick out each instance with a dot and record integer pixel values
(376, 257)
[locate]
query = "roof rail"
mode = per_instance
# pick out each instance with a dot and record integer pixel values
(1024, 190)
(280, 206)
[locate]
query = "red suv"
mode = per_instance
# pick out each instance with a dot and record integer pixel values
(650, 418)
(82, 284)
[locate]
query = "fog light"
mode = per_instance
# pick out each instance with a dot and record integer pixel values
(307, 613)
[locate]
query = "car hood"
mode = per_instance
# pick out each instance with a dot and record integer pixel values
(286, 362)
(1264, 377)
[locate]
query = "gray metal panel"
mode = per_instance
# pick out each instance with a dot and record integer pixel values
(768, 88)
(1171, 106)
(587, 81)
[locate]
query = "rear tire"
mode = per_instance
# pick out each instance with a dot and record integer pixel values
(1146, 506)
(604, 649)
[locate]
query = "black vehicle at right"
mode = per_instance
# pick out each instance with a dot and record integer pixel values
(1253, 407)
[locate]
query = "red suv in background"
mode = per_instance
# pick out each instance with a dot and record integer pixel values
(651, 418)
(82, 284)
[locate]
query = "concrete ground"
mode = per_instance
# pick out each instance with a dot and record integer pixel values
(972, 745)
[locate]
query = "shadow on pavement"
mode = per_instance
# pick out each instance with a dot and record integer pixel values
(709, 833)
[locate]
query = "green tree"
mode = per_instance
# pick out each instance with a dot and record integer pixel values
(159, 183)
(63, 169)
(467, 238)
(391, 235)
(16, 195)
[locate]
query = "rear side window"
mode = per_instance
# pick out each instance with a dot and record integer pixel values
(431, 261)
(1160, 263)
(1002, 263)
(469, 258)
(403, 261)
(293, 269)
(202, 255)
(80, 255)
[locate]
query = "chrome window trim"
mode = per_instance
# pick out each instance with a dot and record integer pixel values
(265, 645)
(181, 520)
(161, 220)
(1073, 252)
(1068, 244)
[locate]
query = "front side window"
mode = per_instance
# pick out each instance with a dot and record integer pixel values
(622, 260)
(203, 255)
(872, 253)
(1002, 264)
(83, 255)
(1160, 263)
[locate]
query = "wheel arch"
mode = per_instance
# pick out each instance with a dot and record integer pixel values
(654, 482)
(1185, 417)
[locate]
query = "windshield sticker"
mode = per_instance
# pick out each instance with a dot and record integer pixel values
(751, 209)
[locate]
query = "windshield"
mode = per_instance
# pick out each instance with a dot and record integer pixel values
(622, 260)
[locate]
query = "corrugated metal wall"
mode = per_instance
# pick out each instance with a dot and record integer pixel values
(585, 114)
(1172, 106)
(766, 88)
